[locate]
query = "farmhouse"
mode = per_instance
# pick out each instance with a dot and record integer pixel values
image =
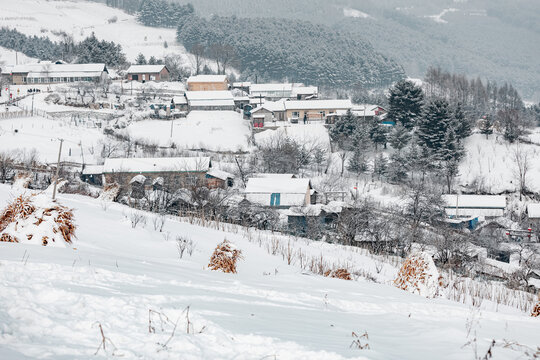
(219, 179)
(282, 91)
(207, 83)
(310, 110)
(363, 112)
(279, 192)
(145, 73)
(474, 205)
(210, 100)
(56, 73)
(174, 172)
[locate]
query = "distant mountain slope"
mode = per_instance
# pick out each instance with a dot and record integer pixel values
(495, 39)
(81, 18)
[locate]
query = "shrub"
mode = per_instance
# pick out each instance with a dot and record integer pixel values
(37, 219)
(225, 257)
(343, 274)
(418, 275)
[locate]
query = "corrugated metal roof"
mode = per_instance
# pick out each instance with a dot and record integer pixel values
(317, 104)
(207, 78)
(145, 69)
(142, 165)
(278, 185)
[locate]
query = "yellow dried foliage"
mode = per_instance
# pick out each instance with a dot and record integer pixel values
(225, 257)
(342, 274)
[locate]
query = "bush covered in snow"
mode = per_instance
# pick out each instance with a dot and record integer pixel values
(36, 219)
(418, 275)
(225, 257)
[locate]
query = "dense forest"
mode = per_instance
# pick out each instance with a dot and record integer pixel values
(90, 50)
(275, 49)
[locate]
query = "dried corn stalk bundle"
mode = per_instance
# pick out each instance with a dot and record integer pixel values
(343, 274)
(225, 257)
(418, 275)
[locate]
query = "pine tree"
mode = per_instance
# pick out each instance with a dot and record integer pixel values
(140, 60)
(380, 167)
(378, 133)
(397, 168)
(462, 125)
(406, 101)
(152, 61)
(399, 137)
(486, 125)
(360, 145)
(343, 130)
(433, 125)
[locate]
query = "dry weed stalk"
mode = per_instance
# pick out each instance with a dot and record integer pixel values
(104, 341)
(357, 343)
(225, 257)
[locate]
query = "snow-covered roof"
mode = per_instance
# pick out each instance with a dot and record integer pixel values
(475, 201)
(305, 90)
(141, 179)
(273, 176)
(316, 209)
(207, 78)
(317, 104)
(241, 84)
(533, 210)
(270, 87)
(220, 174)
(92, 170)
(145, 69)
(179, 100)
(278, 185)
(58, 69)
(143, 165)
(209, 95)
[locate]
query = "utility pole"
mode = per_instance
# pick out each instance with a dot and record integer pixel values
(32, 104)
(172, 121)
(57, 170)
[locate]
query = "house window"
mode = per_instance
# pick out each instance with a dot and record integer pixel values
(295, 114)
(152, 77)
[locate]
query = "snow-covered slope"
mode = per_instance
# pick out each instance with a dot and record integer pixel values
(80, 18)
(53, 300)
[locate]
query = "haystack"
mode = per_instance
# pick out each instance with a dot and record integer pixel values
(225, 257)
(35, 219)
(536, 309)
(419, 275)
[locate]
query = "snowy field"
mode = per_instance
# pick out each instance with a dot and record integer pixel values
(25, 135)
(52, 301)
(307, 134)
(209, 130)
(491, 164)
(81, 18)
(8, 56)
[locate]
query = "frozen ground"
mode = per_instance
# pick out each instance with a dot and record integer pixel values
(81, 18)
(25, 135)
(491, 164)
(307, 134)
(210, 130)
(52, 301)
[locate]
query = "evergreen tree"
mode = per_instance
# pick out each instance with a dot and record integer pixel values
(405, 101)
(462, 125)
(433, 124)
(152, 61)
(140, 60)
(399, 137)
(378, 133)
(360, 145)
(397, 168)
(380, 166)
(343, 130)
(486, 125)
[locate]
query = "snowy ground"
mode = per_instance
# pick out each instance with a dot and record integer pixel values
(25, 135)
(210, 130)
(307, 134)
(52, 301)
(491, 165)
(80, 19)
(8, 56)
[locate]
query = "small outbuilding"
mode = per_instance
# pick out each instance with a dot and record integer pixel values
(207, 83)
(279, 192)
(488, 206)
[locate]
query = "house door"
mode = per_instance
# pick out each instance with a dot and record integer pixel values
(275, 199)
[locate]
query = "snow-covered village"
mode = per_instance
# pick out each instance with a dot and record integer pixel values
(262, 179)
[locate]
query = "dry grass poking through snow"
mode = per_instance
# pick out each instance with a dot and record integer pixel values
(225, 257)
(536, 310)
(342, 274)
(37, 220)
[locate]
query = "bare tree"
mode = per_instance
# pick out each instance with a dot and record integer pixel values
(198, 51)
(7, 163)
(223, 55)
(521, 168)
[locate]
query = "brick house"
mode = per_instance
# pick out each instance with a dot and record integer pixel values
(145, 73)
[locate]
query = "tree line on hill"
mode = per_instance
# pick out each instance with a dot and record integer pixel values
(90, 50)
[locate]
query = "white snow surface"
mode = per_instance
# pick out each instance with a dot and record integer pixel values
(210, 130)
(52, 300)
(306, 134)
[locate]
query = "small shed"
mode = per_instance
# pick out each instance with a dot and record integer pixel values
(488, 206)
(92, 174)
(210, 100)
(179, 103)
(261, 115)
(279, 192)
(219, 179)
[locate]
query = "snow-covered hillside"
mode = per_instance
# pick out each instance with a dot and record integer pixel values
(132, 282)
(80, 18)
